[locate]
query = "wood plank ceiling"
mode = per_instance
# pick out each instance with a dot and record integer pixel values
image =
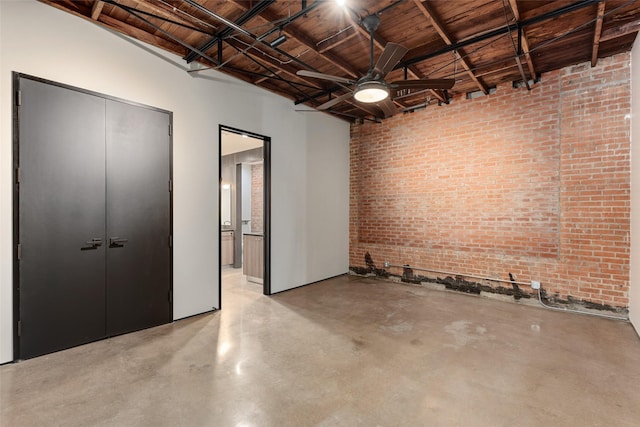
(478, 43)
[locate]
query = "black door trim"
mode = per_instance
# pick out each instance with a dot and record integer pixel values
(266, 155)
(15, 91)
(16, 214)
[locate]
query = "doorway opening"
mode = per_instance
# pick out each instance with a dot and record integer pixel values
(244, 214)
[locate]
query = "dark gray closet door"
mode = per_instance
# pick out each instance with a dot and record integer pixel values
(61, 210)
(138, 218)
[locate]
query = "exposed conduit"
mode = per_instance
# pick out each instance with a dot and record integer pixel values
(567, 310)
(457, 274)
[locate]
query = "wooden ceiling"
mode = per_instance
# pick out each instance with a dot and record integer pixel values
(479, 43)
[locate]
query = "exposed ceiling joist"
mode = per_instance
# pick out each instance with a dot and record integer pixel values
(213, 41)
(265, 63)
(485, 35)
(121, 27)
(333, 59)
(160, 11)
(623, 30)
(96, 9)
(428, 12)
(338, 42)
(166, 33)
(597, 33)
(263, 78)
(289, 71)
(524, 41)
(238, 36)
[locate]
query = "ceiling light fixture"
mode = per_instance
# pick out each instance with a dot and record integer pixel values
(371, 91)
(341, 2)
(277, 42)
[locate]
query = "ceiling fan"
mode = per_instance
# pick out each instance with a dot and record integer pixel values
(372, 88)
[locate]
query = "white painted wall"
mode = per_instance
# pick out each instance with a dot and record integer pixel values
(310, 153)
(634, 288)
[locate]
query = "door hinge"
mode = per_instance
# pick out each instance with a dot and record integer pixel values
(170, 185)
(19, 251)
(19, 328)
(170, 241)
(19, 98)
(170, 129)
(18, 175)
(170, 296)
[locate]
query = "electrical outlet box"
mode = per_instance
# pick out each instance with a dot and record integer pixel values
(387, 264)
(535, 284)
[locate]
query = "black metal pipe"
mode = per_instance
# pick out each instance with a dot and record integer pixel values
(248, 15)
(273, 73)
(316, 95)
(261, 38)
(500, 31)
(268, 76)
(166, 33)
(519, 40)
(161, 18)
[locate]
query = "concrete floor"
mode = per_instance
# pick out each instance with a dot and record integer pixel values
(345, 352)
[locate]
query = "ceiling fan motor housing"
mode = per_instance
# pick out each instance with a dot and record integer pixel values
(371, 22)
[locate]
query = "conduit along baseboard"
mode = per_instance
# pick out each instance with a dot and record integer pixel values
(456, 282)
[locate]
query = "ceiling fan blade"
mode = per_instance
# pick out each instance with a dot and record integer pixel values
(330, 103)
(422, 84)
(388, 107)
(322, 76)
(391, 55)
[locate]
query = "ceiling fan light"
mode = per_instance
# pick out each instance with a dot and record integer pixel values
(370, 92)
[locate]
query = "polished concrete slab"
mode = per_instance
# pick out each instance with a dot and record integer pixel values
(345, 352)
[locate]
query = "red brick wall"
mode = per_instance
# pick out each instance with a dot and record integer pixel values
(534, 183)
(257, 197)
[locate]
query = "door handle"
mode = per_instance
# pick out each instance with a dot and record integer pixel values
(93, 244)
(117, 242)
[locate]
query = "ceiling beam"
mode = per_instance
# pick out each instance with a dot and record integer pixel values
(289, 71)
(166, 33)
(523, 40)
(444, 35)
(164, 12)
(139, 34)
(113, 24)
(269, 17)
(96, 10)
(327, 56)
(165, 17)
(622, 30)
(261, 60)
(261, 79)
(503, 30)
(338, 42)
(597, 34)
(246, 17)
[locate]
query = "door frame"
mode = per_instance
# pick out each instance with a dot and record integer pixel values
(266, 158)
(15, 167)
